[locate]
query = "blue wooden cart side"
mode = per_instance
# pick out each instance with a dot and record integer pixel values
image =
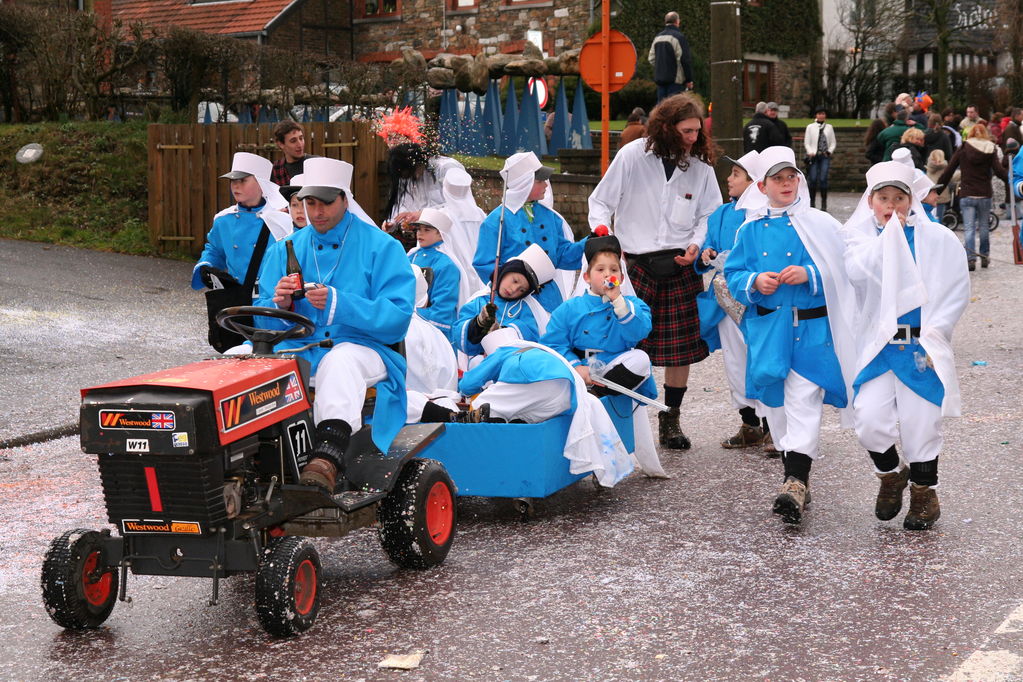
(517, 460)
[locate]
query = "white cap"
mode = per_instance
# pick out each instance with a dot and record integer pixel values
(922, 184)
(747, 162)
(505, 336)
(297, 180)
(890, 174)
(457, 181)
(520, 165)
(244, 164)
(903, 156)
(324, 178)
(435, 218)
(775, 159)
(538, 260)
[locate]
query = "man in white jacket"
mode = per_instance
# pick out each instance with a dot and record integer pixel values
(819, 142)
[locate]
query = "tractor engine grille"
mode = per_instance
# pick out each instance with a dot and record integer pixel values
(164, 489)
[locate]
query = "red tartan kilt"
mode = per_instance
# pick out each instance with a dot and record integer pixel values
(675, 339)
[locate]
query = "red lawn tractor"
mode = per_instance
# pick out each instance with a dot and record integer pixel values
(200, 472)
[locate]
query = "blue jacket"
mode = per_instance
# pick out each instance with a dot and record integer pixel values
(517, 366)
(545, 230)
(230, 243)
(586, 322)
(443, 310)
(370, 302)
(509, 314)
(774, 345)
(721, 228)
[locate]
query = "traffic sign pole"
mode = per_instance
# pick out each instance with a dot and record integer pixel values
(605, 82)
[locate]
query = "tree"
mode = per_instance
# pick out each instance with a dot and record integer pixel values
(951, 22)
(1010, 38)
(862, 55)
(17, 31)
(103, 58)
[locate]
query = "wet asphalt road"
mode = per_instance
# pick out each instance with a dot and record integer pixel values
(687, 579)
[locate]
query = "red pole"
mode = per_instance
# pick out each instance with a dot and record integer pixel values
(605, 82)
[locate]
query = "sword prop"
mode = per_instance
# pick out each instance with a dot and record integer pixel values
(500, 234)
(632, 394)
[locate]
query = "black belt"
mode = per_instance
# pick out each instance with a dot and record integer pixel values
(798, 314)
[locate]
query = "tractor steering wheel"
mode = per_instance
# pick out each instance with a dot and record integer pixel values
(263, 340)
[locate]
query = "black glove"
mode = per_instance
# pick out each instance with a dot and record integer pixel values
(215, 278)
(487, 317)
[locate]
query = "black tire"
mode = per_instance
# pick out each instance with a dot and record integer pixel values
(950, 219)
(288, 586)
(78, 591)
(417, 518)
(993, 225)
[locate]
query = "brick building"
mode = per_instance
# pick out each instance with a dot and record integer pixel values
(383, 27)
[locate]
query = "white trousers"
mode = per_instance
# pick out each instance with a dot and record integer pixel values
(796, 426)
(885, 409)
(533, 402)
(635, 360)
(733, 347)
(416, 401)
(342, 377)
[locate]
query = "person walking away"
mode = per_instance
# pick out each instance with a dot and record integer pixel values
(977, 160)
(660, 190)
(935, 137)
(900, 262)
(1012, 130)
(819, 142)
(786, 266)
(892, 135)
(873, 147)
(669, 55)
(635, 126)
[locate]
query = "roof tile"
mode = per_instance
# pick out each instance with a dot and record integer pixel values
(228, 18)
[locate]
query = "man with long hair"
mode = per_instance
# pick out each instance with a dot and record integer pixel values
(661, 190)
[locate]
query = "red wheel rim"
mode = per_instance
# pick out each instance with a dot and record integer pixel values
(97, 590)
(440, 513)
(305, 587)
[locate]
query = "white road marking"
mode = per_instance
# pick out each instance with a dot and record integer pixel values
(1014, 623)
(993, 665)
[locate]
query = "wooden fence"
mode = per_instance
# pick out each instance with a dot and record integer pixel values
(186, 162)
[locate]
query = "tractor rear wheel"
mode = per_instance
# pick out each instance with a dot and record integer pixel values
(78, 590)
(288, 586)
(417, 518)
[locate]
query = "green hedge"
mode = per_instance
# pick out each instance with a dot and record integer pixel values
(88, 189)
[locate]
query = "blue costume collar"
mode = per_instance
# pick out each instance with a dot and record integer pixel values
(336, 234)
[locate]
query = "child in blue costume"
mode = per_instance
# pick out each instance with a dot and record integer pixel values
(526, 222)
(912, 286)
(717, 327)
(603, 325)
(447, 275)
(360, 293)
(514, 305)
(786, 267)
(231, 241)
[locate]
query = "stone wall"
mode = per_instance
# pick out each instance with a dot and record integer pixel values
(493, 26)
(320, 27)
(848, 165)
(792, 85)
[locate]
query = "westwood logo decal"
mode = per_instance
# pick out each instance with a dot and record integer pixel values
(129, 419)
(258, 402)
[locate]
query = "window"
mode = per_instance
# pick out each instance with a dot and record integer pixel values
(757, 82)
(455, 5)
(379, 8)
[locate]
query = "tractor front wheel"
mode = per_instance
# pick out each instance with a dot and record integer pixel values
(79, 591)
(288, 586)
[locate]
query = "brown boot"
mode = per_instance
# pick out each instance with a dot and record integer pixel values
(747, 437)
(319, 472)
(670, 432)
(889, 494)
(924, 509)
(769, 450)
(791, 500)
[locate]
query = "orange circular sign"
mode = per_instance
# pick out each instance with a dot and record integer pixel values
(621, 62)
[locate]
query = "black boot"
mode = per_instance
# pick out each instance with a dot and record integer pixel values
(824, 200)
(670, 432)
(813, 195)
(332, 437)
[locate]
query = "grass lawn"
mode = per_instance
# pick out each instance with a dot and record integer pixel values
(793, 123)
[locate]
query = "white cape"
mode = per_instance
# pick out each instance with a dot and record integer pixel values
(593, 443)
(890, 283)
(465, 284)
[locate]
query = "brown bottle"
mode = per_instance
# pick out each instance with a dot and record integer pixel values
(293, 268)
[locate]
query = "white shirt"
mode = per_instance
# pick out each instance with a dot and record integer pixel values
(651, 213)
